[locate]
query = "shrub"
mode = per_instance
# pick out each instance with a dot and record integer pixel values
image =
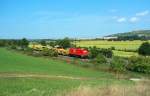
(64, 43)
(24, 43)
(139, 64)
(118, 64)
(94, 52)
(112, 48)
(43, 42)
(144, 49)
(2, 43)
(100, 59)
(106, 52)
(13, 47)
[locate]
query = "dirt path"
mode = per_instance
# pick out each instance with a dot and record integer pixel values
(22, 75)
(33, 75)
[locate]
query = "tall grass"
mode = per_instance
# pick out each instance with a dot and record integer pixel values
(139, 89)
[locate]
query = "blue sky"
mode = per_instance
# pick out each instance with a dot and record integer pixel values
(71, 18)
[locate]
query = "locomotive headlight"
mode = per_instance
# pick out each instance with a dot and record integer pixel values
(84, 51)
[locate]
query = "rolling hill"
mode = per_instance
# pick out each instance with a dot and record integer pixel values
(139, 33)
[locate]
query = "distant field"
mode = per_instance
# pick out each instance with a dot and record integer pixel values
(22, 75)
(125, 54)
(122, 45)
(119, 45)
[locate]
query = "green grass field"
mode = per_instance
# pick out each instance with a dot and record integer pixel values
(17, 76)
(122, 45)
(124, 54)
(119, 45)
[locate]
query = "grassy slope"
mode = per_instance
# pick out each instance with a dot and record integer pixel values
(14, 62)
(19, 63)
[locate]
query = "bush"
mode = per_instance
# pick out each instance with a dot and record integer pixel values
(139, 64)
(13, 47)
(94, 52)
(144, 49)
(24, 43)
(43, 42)
(118, 64)
(112, 48)
(2, 43)
(100, 59)
(107, 52)
(64, 43)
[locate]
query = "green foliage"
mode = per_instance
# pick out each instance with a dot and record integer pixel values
(21, 44)
(139, 64)
(144, 49)
(64, 43)
(94, 52)
(24, 42)
(52, 43)
(107, 52)
(118, 64)
(112, 48)
(13, 47)
(43, 42)
(2, 43)
(100, 59)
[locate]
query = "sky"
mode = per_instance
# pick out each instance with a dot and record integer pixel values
(45, 19)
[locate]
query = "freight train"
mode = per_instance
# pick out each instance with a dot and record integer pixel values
(75, 52)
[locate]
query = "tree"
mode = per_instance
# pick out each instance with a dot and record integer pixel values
(2, 43)
(94, 51)
(43, 42)
(65, 43)
(144, 49)
(24, 43)
(118, 64)
(52, 43)
(100, 59)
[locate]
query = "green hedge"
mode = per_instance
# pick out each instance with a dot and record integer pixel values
(139, 64)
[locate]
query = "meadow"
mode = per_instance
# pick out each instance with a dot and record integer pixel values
(120, 46)
(22, 75)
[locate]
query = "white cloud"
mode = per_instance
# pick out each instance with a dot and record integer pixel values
(144, 13)
(134, 19)
(122, 19)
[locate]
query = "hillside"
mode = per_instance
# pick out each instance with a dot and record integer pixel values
(22, 75)
(145, 33)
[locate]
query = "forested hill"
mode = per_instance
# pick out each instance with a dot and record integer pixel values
(133, 33)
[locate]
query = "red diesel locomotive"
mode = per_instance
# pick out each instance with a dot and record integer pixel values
(78, 52)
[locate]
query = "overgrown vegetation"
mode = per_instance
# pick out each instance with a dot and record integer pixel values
(94, 52)
(139, 64)
(139, 89)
